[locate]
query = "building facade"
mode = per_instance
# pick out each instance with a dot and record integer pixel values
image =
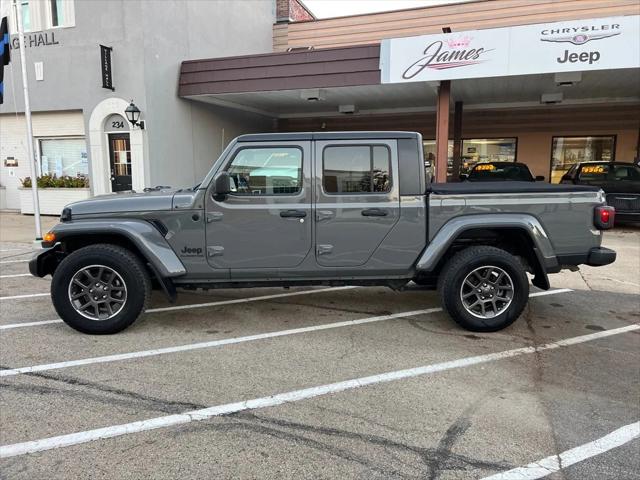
(202, 72)
(80, 127)
(330, 75)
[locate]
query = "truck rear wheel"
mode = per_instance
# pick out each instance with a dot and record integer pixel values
(484, 289)
(100, 289)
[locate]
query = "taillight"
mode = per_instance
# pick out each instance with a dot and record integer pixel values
(604, 216)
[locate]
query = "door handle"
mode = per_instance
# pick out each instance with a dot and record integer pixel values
(293, 214)
(374, 212)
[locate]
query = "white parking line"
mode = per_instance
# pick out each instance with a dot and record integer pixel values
(29, 324)
(288, 397)
(16, 275)
(202, 305)
(30, 295)
(11, 326)
(217, 343)
(211, 344)
(195, 305)
(243, 300)
(555, 463)
(14, 261)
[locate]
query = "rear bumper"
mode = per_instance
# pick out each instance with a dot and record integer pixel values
(626, 216)
(600, 256)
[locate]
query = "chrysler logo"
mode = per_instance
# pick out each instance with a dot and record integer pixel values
(581, 38)
(580, 35)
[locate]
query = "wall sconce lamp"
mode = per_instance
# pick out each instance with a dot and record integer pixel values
(133, 115)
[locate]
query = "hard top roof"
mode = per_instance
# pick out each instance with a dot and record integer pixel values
(299, 136)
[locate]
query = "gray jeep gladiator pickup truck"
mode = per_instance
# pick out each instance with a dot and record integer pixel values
(347, 208)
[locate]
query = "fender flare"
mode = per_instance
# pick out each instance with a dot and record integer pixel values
(147, 239)
(450, 231)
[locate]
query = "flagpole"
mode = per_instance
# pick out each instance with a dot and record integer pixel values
(27, 116)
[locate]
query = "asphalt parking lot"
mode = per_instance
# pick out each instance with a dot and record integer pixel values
(326, 383)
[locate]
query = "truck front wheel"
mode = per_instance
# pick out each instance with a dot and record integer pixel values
(100, 289)
(484, 289)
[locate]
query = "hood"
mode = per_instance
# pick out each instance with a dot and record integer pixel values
(124, 202)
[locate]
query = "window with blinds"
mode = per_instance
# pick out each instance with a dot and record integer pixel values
(64, 156)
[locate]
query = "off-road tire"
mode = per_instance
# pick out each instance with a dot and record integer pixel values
(462, 264)
(126, 264)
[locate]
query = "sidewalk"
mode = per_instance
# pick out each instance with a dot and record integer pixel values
(17, 228)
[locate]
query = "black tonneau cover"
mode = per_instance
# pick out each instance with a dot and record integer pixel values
(462, 188)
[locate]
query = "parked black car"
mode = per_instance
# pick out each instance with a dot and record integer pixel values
(497, 171)
(619, 180)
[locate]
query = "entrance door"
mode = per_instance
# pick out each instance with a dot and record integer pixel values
(357, 200)
(266, 221)
(120, 161)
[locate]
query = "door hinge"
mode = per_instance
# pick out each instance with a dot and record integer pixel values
(214, 216)
(215, 251)
(324, 249)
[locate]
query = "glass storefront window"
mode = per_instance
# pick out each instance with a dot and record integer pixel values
(429, 148)
(64, 157)
(478, 150)
(474, 150)
(567, 151)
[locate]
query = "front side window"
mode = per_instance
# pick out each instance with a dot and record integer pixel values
(356, 169)
(567, 151)
(266, 171)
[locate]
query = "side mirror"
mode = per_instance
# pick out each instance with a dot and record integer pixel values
(539, 178)
(222, 184)
(463, 177)
(565, 179)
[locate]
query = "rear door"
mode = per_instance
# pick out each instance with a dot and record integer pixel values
(357, 199)
(266, 221)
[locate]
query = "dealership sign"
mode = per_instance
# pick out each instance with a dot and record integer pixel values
(594, 44)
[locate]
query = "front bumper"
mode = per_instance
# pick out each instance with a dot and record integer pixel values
(600, 256)
(45, 261)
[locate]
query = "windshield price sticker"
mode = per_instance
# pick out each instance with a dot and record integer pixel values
(485, 167)
(593, 169)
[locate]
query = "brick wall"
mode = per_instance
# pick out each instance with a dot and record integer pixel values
(291, 11)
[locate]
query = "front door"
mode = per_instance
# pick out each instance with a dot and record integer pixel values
(120, 161)
(357, 199)
(265, 223)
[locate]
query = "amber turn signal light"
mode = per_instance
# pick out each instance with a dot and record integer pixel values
(49, 237)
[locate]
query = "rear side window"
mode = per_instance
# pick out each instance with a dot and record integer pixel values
(623, 172)
(266, 171)
(356, 169)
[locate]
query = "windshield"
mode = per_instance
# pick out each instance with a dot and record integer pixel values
(500, 171)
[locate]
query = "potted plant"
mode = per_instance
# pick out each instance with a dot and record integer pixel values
(53, 193)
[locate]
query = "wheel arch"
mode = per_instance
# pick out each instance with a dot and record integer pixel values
(520, 235)
(138, 236)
